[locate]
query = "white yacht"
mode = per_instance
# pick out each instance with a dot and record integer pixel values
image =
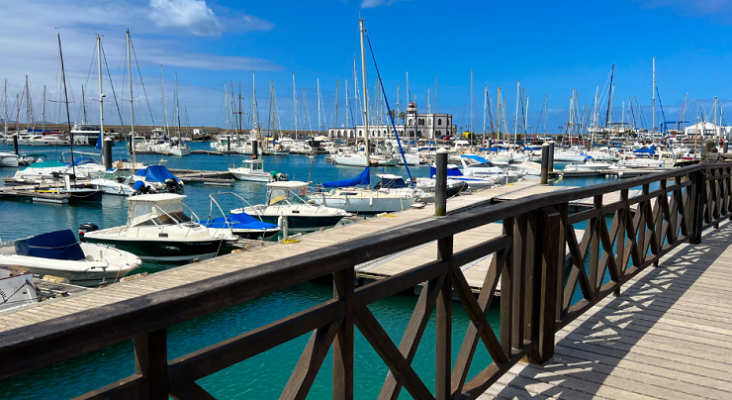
(8, 160)
(158, 230)
(85, 134)
(288, 199)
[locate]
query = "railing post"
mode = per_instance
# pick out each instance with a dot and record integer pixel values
(546, 269)
(343, 286)
(441, 183)
(545, 163)
(443, 350)
(151, 361)
(698, 199)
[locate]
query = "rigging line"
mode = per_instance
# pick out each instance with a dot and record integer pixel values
(139, 73)
(88, 75)
(391, 117)
(114, 94)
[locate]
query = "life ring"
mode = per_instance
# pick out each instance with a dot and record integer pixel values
(303, 190)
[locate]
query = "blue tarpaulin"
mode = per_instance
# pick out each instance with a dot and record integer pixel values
(156, 173)
(650, 151)
(363, 179)
(452, 170)
(60, 245)
(238, 221)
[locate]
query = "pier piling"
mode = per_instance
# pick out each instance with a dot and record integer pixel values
(107, 153)
(551, 156)
(545, 163)
(15, 144)
(441, 183)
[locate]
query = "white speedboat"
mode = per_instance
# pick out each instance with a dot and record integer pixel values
(158, 230)
(117, 183)
(9, 160)
(383, 160)
(477, 166)
(17, 289)
(59, 254)
(364, 201)
(588, 166)
(251, 170)
(288, 199)
(157, 179)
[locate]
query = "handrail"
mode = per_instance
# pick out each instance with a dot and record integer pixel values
(539, 223)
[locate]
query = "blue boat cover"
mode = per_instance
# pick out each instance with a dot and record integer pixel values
(393, 183)
(156, 173)
(650, 151)
(363, 179)
(451, 170)
(474, 158)
(238, 221)
(61, 245)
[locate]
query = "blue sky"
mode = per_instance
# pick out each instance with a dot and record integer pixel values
(551, 47)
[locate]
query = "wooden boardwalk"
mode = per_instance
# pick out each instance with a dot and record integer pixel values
(666, 337)
(255, 256)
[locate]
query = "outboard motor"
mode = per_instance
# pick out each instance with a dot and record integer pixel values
(173, 186)
(87, 227)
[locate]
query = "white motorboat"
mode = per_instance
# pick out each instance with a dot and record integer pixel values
(59, 254)
(239, 224)
(41, 170)
(477, 166)
(383, 160)
(85, 134)
(588, 166)
(158, 230)
(8, 160)
(157, 179)
(117, 183)
(569, 157)
(251, 170)
(288, 199)
(17, 289)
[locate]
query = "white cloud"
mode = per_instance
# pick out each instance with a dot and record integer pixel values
(191, 15)
(376, 3)
(720, 9)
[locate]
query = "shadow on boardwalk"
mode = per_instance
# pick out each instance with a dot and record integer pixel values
(666, 337)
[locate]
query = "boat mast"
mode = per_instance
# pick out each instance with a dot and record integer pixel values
(43, 111)
(294, 102)
(485, 108)
(409, 133)
(177, 110)
(68, 116)
(83, 104)
(132, 104)
(320, 125)
(5, 106)
(498, 131)
(165, 107)
(101, 95)
(255, 123)
(365, 99)
(654, 97)
(27, 106)
(238, 132)
(594, 118)
(435, 95)
(518, 104)
(546, 112)
(472, 98)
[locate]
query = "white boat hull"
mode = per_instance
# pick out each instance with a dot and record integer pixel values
(352, 160)
(8, 160)
(366, 205)
(249, 176)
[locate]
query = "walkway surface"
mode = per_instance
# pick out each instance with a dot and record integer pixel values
(666, 337)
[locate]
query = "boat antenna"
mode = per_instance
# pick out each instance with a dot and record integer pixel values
(388, 109)
(68, 117)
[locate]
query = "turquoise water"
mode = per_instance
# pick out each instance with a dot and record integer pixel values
(263, 376)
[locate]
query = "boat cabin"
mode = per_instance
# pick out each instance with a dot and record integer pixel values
(392, 181)
(287, 192)
(253, 165)
(156, 210)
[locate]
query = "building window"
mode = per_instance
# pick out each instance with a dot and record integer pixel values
(360, 133)
(438, 133)
(439, 121)
(421, 121)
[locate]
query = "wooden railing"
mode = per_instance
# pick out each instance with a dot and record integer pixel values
(540, 260)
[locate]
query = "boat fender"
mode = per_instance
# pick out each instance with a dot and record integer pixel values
(303, 190)
(371, 199)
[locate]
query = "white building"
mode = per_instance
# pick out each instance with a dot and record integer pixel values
(425, 126)
(706, 129)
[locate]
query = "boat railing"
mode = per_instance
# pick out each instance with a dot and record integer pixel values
(242, 201)
(540, 259)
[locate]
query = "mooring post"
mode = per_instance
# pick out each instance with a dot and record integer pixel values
(441, 183)
(228, 144)
(551, 156)
(107, 153)
(255, 149)
(545, 163)
(15, 143)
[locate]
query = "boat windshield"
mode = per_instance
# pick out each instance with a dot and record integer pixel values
(280, 196)
(147, 214)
